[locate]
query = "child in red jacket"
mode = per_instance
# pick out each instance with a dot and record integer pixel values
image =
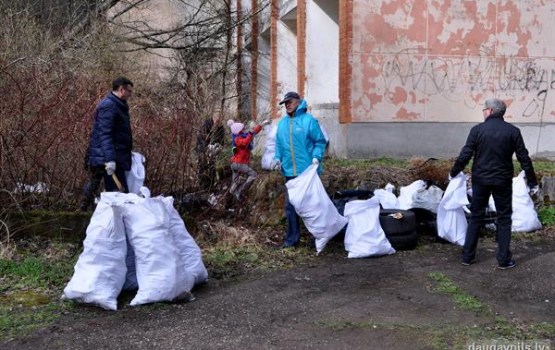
(242, 146)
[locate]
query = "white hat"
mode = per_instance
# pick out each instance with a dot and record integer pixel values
(235, 127)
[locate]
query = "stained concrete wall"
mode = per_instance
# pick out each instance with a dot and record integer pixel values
(432, 61)
(423, 69)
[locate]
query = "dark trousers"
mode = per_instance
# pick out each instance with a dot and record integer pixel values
(96, 175)
(502, 196)
(293, 233)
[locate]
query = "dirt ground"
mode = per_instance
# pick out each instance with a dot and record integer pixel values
(336, 303)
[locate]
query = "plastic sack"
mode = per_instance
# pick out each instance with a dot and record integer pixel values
(524, 217)
(100, 270)
(156, 258)
(269, 147)
(387, 198)
(314, 206)
(451, 220)
(136, 176)
(406, 193)
(428, 198)
(190, 255)
(364, 236)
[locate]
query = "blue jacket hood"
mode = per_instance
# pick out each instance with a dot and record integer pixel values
(299, 139)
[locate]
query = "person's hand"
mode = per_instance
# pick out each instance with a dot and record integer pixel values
(110, 167)
(266, 122)
(315, 161)
(276, 164)
(534, 190)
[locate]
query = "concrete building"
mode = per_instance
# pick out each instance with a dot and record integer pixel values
(408, 77)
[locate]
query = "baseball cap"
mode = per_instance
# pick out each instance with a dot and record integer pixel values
(289, 96)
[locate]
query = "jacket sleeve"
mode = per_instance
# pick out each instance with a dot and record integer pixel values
(466, 154)
(105, 126)
(525, 161)
(318, 138)
(243, 142)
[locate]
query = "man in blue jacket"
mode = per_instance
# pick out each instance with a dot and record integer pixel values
(109, 151)
(299, 143)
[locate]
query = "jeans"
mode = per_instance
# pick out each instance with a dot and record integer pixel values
(502, 196)
(293, 233)
(237, 170)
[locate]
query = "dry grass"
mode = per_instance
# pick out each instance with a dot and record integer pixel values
(431, 169)
(213, 232)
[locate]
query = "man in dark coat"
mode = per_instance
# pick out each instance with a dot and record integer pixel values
(492, 144)
(109, 153)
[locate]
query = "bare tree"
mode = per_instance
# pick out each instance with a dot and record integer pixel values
(55, 68)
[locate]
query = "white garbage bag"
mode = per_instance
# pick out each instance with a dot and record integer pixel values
(156, 258)
(269, 146)
(190, 255)
(136, 176)
(427, 198)
(406, 193)
(387, 197)
(524, 217)
(100, 270)
(451, 220)
(364, 236)
(314, 206)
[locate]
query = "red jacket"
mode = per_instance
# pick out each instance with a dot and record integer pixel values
(242, 152)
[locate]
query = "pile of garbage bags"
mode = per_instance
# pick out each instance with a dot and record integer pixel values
(364, 236)
(136, 243)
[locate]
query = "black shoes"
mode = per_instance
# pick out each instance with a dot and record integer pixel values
(285, 246)
(508, 265)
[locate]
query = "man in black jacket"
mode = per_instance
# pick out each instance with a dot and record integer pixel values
(492, 144)
(111, 142)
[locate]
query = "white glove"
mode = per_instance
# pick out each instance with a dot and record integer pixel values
(110, 167)
(534, 190)
(315, 161)
(450, 177)
(266, 122)
(276, 164)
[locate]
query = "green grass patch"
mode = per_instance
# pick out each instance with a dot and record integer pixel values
(34, 272)
(542, 166)
(31, 287)
(546, 214)
(465, 301)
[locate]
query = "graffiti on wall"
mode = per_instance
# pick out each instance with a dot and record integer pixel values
(468, 79)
